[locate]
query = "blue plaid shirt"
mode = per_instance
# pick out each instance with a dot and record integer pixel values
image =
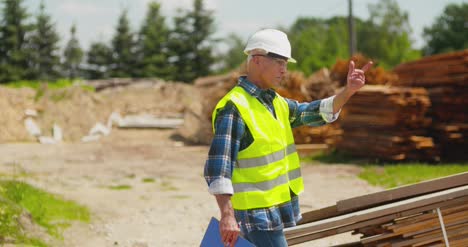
(232, 136)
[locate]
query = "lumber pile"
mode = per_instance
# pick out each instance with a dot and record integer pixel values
(404, 216)
(445, 76)
(421, 229)
(387, 123)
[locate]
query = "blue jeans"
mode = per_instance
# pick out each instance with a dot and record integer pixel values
(267, 238)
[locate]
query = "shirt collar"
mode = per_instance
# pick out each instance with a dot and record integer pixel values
(253, 89)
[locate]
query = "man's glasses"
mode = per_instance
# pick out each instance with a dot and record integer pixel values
(278, 61)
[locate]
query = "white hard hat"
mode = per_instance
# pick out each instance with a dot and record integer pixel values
(273, 41)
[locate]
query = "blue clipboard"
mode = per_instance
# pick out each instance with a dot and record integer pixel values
(212, 237)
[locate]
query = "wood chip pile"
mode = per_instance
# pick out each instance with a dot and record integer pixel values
(445, 76)
(404, 216)
(387, 123)
(317, 86)
(374, 76)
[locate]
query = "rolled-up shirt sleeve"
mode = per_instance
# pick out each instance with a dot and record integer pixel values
(229, 128)
(315, 113)
(326, 110)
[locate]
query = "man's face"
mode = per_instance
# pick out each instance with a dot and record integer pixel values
(273, 70)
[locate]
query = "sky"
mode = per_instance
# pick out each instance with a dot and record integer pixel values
(96, 20)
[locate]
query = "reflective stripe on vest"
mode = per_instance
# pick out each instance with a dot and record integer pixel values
(268, 169)
(260, 161)
(268, 185)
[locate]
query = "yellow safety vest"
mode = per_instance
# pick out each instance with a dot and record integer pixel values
(268, 169)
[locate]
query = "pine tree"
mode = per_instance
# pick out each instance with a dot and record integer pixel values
(13, 41)
(203, 29)
(123, 49)
(73, 55)
(180, 51)
(234, 56)
(45, 58)
(191, 43)
(98, 61)
(152, 45)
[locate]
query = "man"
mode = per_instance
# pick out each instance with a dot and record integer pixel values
(253, 167)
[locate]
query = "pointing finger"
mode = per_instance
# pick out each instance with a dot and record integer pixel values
(367, 66)
(351, 68)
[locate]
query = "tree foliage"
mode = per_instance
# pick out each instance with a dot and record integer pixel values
(386, 35)
(44, 60)
(13, 41)
(98, 61)
(73, 56)
(191, 43)
(152, 45)
(123, 49)
(449, 31)
(317, 43)
(234, 56)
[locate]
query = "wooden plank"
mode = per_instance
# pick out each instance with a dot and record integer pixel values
(379, 211)
(432, 238)
(303, 237)
(300, 238)
(439, 57)
(297, 239)
(403, 192)
(319, 214)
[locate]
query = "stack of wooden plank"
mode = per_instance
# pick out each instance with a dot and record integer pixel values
(445, 76)
(387, 123)
(447, 69)
(404, 216)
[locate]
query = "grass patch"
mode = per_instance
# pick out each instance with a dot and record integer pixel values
(48, 210)
(394, 175)
(167, 186)
(390, 175)
(58, 84)
(120, 187)
(148, 180)
(41, 87)
(331, 157)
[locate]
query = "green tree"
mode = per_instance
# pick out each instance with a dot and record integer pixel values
(191, 43)
(123, 49)
(73, 55)
(13, 41)
(317, 43)
(234, 56)
(152, 45)
(449, 32)
(180, 52)
(44, 48)
(386, 35)
(98, 61)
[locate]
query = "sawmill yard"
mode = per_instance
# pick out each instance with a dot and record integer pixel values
(140, 183)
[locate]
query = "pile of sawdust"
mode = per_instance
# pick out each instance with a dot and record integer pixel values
(13, 103)
(76, 110)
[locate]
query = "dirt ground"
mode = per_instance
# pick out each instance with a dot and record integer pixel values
(174, 210)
